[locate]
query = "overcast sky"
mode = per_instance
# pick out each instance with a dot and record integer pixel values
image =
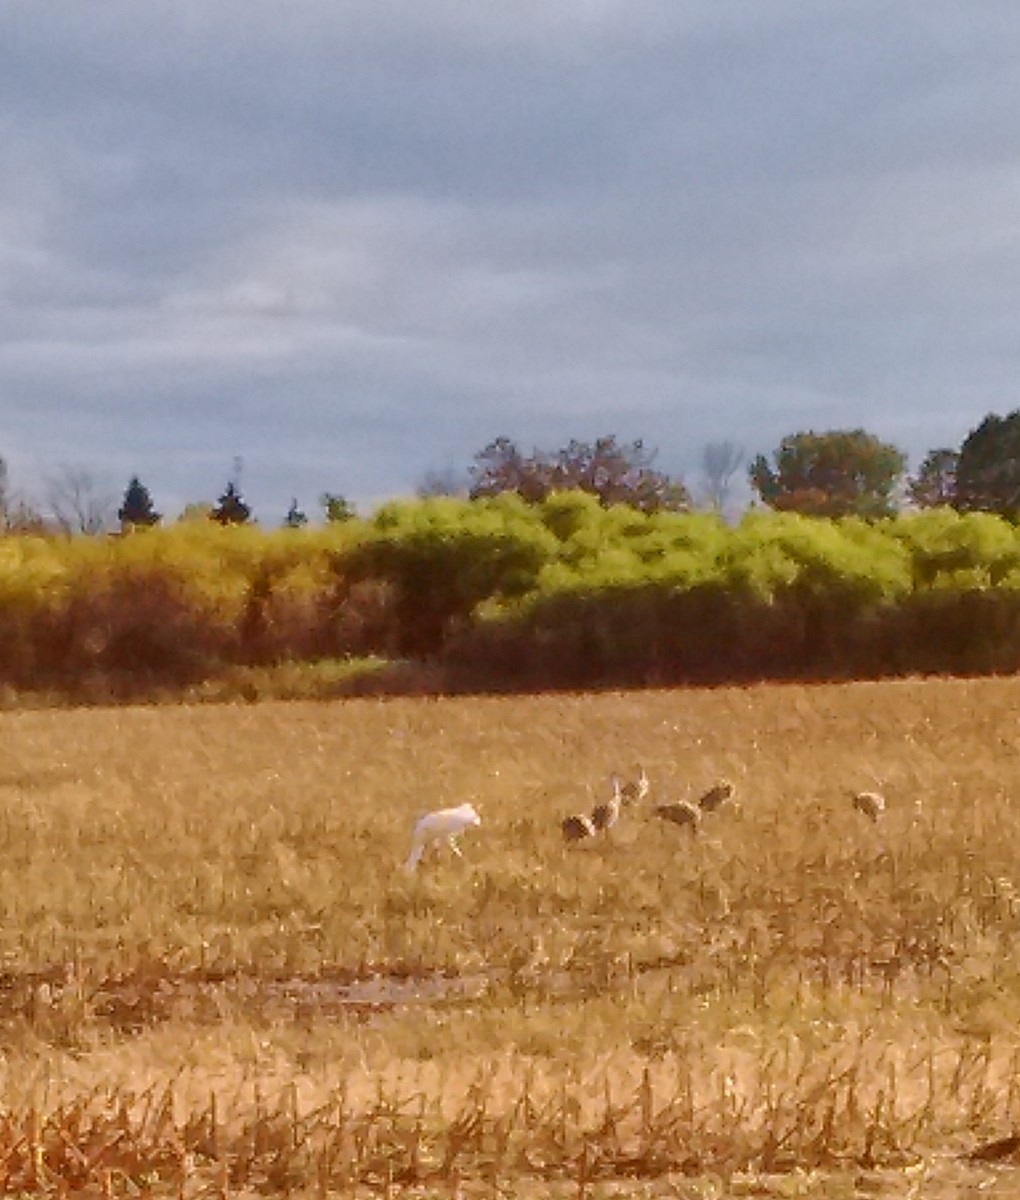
(350, 242)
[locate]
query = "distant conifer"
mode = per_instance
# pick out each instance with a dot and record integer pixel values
(137, 509)
(295, 518)
(337, 508)
(231, 509)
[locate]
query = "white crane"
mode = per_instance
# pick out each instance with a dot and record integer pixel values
(445, 824)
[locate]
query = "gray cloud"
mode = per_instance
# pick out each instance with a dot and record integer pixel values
(352, 242)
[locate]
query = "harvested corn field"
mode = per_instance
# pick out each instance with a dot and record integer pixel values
(216, 975)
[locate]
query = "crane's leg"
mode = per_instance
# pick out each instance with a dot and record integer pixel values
(417, 849)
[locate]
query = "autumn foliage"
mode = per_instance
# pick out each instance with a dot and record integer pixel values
(498, 593)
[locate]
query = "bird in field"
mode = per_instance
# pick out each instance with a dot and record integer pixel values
(871, 804)
(445, 824)
(577, 827)
(680, 812)
(997, 1150)
(605, 814)
(634, 791)
(716, 796)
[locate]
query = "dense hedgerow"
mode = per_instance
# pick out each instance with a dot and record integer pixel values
(499, 594)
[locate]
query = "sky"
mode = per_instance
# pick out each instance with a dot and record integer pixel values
(341, 245)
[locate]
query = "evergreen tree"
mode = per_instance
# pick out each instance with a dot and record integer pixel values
(988, 468)
(295, 518)
(137, 508)
(230, 508)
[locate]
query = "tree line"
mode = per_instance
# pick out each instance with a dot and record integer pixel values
(500, 593)
(835, 473)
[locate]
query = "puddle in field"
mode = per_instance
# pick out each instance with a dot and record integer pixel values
(378, 993)
(131, 1002)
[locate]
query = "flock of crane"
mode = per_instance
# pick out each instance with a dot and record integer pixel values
(447, 824)
(579, 826)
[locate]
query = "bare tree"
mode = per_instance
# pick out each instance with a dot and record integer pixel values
(935, 482)
(720, 461)
(18, 514)
(447, 481)
(8, 504)
(615, 473)
(77, 502)
(22, 516)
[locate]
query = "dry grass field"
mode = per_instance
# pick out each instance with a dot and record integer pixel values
(216, 977)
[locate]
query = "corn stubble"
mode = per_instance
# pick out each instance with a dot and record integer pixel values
(216, 978)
